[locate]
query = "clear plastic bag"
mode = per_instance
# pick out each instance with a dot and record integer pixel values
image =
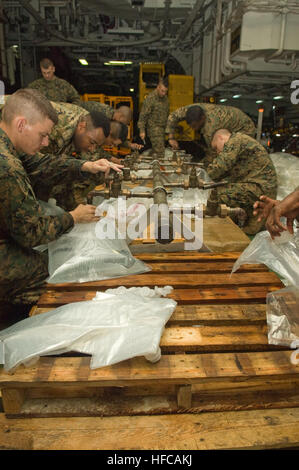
(287, 170)
(111, 328)
(281, 256)
(283, 318)
(81, 256)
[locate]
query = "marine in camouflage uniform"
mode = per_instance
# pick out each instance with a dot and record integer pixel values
(216, 117)
(250, 173)
(23, 223)
(69, 194)
(56, 90)
(97, 106)
(153, 119)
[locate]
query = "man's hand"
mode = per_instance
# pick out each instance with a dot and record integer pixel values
(263, 207)
(173, 144)
(289, 208)
(84, 213)
(101, 165)
(136, 146)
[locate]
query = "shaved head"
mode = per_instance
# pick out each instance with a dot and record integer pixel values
(220, 137)
(123, 114)
(29, 103)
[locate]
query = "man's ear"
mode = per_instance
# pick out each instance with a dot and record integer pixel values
(21, 123)
(82, 126)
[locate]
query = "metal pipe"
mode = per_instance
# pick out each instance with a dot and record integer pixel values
(282, 37)
(227, 61)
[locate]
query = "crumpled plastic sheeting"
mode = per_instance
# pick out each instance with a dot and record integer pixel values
(143, 291)
(287, 169)
(283, 319)
(111, 328)
(283, 258)
(80, 256)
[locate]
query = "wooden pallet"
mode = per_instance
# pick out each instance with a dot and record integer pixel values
(215, 360)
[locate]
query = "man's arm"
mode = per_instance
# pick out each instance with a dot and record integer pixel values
(173, 119)
(72, 95)
(23, 217)
(224, 161)
(289, 208)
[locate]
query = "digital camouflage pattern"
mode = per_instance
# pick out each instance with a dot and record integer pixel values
(217, 117)
(61, 144)
(153, 119)
(23, 224)
(97, 106)
(61, 137)
(250, 173)
(56, 90)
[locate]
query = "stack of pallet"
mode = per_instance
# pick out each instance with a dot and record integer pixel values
(218, 385)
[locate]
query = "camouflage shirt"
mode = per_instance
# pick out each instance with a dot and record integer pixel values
(100, 107)
(217, 117)
(154, 113)
(244, 160)
(61, 137)
(56, 90)
(22, 219)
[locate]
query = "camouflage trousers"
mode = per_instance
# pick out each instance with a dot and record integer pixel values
(22, 274)
(244, 195)
(157, 140)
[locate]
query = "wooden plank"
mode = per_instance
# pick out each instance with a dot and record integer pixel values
(258, 429)
(180, 369)
(184, 396)
(118, 404)
(200, 267)
(188, 315)
(13, 400)
(188, 256)
(181, 281)
(220, 295)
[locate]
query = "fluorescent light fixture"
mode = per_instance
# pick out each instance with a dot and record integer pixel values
(83, 61)
(278, 135)
(273, 107)
(237, 96)
(118, 62)
(283, 150)
(295, 135)
(131, 90)
(259, 101)
(15, 46)
(223, 100)
(277, 97)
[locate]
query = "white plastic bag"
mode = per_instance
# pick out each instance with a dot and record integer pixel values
(283, 319)
(287, 170)
(111, 328)
(80, 256)
(283, 258)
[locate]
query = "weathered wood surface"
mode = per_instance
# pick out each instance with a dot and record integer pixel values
(215, 361)
(256, 429)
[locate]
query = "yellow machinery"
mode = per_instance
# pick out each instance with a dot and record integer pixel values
(181, 93)
(149, 76)
(114, 102)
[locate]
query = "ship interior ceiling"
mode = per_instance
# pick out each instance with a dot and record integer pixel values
(242, 53)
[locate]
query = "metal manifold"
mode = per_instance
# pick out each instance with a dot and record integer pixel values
(162, 168)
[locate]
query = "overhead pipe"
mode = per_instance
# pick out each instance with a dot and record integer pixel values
(227, 61)
(282, 37)
(68, 41)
